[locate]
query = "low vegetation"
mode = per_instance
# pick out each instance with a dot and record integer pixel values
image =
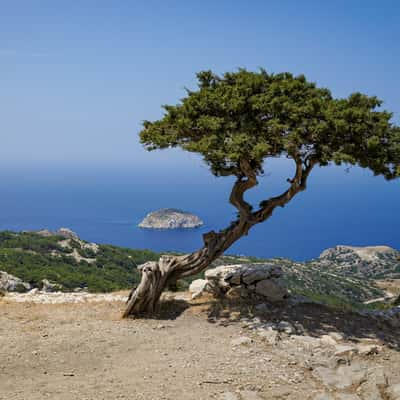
(74, 263)
(32, 258)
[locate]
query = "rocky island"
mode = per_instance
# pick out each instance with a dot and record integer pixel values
(170, 218)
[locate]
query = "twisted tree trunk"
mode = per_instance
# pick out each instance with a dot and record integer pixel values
(156, 276)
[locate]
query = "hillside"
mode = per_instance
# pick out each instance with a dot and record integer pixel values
(373, 262)
(66, 260)
(341, 276)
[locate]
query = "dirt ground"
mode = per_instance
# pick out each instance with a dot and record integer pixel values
(86, 351)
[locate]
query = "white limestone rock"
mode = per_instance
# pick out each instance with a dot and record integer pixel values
(67, 233)
(10, 283)
(198, 287)
(258, 279)
(342, 377)
(49, 287)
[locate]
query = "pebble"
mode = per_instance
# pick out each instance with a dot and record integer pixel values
(241, 340)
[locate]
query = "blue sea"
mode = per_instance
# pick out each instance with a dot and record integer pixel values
(104, 203)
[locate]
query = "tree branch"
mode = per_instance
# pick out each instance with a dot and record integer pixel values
(297, 184)
(242, 184)
(215, 243)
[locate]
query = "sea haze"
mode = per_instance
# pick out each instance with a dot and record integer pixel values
(105, 204)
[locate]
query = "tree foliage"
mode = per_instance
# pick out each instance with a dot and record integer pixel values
(255, 115)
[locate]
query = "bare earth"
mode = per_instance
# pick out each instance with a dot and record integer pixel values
(86, 351)
(392, 286)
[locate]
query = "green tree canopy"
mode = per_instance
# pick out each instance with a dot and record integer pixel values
(255, 115)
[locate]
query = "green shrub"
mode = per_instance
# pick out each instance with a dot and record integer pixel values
(30, 257)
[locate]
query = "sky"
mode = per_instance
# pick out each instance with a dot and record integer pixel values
(78, 77)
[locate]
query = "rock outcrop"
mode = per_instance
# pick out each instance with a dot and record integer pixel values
(64, 232)
(10, 283)
(67, 233)
(258, 280)
(50, 287)
(361, 262)
(169, 218)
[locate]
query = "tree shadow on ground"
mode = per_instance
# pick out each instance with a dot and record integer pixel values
(172, 308)
(168, 309)
(310, 319)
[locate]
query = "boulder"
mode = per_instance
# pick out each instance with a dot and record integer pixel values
(50, 287)
(368, 349)
(345, 350)
(198, 287)
(10, 283)
(273, 290)
(307, 342)
(328, 340)
(218, 277)
(260, 280)
(342, 377)
(252, 273)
